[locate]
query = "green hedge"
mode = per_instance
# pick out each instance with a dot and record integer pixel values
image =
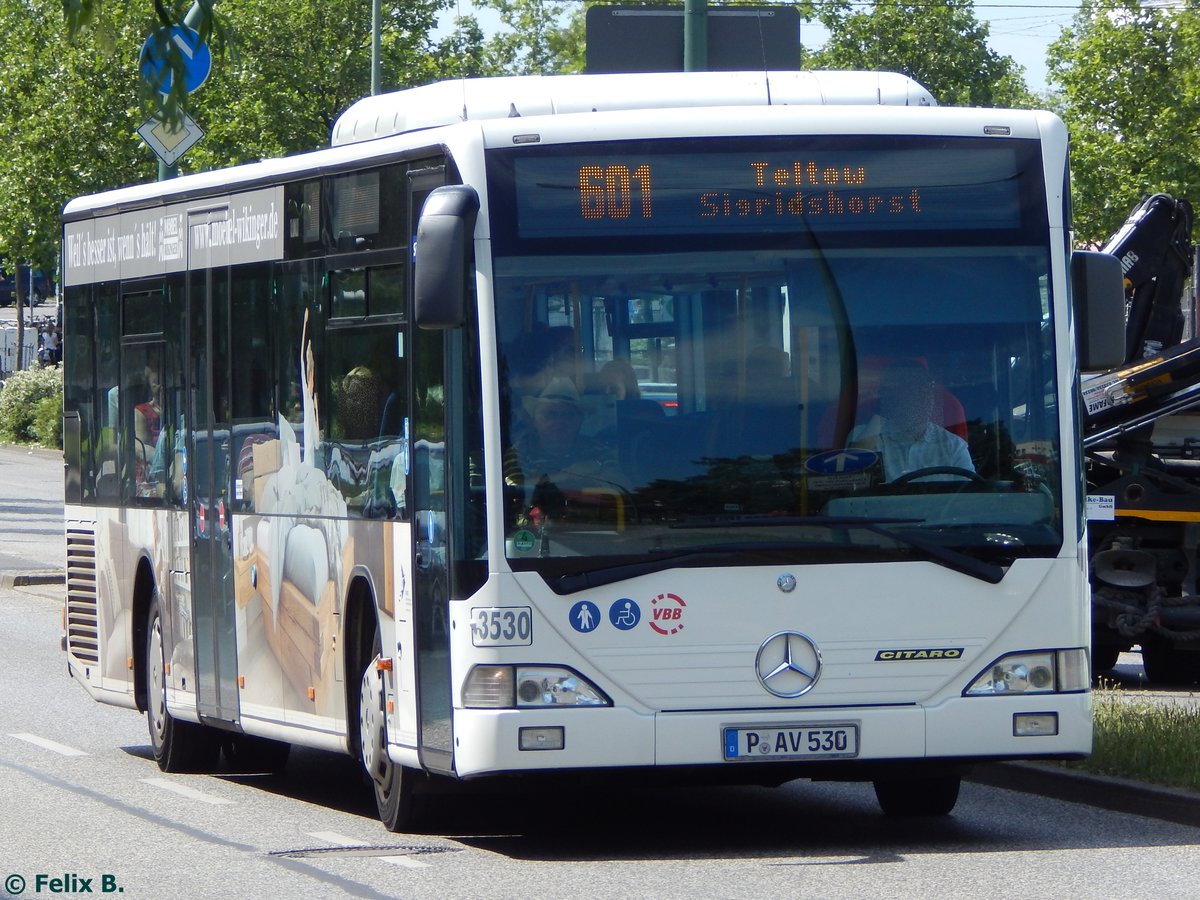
(31, 407)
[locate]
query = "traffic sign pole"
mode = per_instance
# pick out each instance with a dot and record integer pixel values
(197, 61)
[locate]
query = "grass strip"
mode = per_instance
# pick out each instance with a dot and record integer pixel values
(1152, 740)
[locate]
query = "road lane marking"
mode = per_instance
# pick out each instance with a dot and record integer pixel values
(184, 791)
(332, 837)
(341, 840)
(406, 861)
(47, 744)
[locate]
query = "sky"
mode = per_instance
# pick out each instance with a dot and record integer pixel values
(1022, 29)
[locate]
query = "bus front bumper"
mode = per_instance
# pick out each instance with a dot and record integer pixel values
(1046, 726)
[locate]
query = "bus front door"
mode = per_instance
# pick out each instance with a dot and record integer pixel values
(208, 474)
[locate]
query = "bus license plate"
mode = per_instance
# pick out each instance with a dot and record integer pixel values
(791, 742)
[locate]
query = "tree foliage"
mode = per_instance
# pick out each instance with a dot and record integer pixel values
(286, 68)
(72, 99)
(1130, 78)
(539, 36)
(942, 45)
(293, 66)
(65, 107)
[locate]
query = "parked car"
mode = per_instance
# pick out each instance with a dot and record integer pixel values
(8, 288)
(43, 287)
(665, 395)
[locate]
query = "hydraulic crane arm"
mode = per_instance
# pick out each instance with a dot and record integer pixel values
(1160, 375)
(1155, 249)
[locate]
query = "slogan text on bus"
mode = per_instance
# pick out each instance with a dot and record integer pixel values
(155, 240)
(804, 188)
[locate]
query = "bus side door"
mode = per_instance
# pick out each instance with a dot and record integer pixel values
(208, 478)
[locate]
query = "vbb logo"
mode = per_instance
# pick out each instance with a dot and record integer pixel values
(667, 615)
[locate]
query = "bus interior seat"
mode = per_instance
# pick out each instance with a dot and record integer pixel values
(989, 442)
(633, 418)
(674, 448)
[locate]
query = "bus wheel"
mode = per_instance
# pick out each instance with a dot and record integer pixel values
(932, 796)
(1165, 665)
(392, 783)
(178, 746)
(1104, 659)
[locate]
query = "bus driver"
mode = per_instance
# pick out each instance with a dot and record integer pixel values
(903, 432)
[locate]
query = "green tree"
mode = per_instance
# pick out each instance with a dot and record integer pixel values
(538, 37)
(65, 108)
(71, 100)
(942, 45)
(1130, 79)
(293, 66)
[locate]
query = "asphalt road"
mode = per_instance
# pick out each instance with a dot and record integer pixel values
(31, 513)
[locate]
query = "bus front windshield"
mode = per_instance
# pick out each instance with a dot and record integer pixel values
(781, 389)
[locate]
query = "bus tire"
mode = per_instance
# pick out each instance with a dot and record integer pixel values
(178, 746)
(1167, 666)
(923, 796)
(392, 783)
(1104, 659)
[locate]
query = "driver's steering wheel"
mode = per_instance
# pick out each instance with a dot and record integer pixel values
(938, 470)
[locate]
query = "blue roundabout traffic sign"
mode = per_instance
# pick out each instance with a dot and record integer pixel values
(197, 58)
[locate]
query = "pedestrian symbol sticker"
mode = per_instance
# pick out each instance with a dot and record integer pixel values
(625, 614)
(585, 616)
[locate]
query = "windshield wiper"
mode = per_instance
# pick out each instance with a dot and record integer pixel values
(935, 553)
(769, 521)
(592, 578)
(712, 554)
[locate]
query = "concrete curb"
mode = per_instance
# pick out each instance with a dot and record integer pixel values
(1116, 794)
(22, 579)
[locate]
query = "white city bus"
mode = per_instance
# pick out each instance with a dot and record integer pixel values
(522, 431)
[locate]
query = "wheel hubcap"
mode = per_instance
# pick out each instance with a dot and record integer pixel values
(372, 726)
(157, 701)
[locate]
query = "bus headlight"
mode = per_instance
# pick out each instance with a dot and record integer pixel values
(525, 687)
(1033, 672)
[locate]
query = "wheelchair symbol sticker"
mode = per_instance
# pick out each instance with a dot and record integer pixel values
(625, 614)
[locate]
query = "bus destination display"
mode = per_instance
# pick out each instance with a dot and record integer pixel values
(584, 194)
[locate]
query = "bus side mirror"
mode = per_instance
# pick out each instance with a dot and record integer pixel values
(1098, 298)
(441, 254)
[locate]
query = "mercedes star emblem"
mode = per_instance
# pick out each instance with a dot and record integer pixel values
(788, 664)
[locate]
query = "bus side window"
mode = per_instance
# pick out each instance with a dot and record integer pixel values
(366, 441)
(108, 335)
(252, 397)
(143, 421)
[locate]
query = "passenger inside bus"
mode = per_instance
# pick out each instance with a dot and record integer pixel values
(148, 414)
(531, 362)
(553, 455)
(147, 430)
(903, 430)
